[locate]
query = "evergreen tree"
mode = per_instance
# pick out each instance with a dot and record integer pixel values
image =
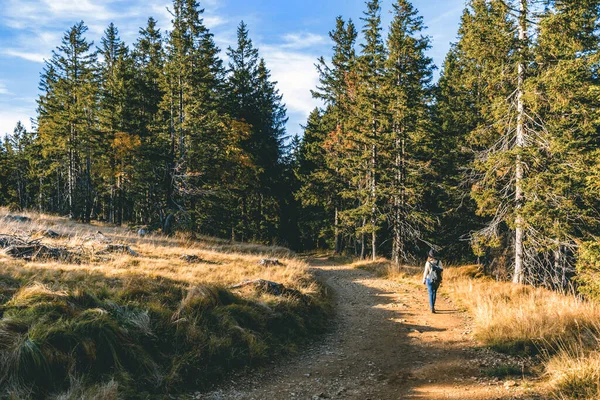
(314, 175)
(191, 107)
(335, 89)
(561, 165)
(256, 105)
(368, 124)
(406, 151)
(66, 120)
(146, 94)
(115, 122)
(474, 106)
(242, 106)
(20, 150)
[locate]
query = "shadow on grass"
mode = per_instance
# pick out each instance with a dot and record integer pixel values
(152, 336)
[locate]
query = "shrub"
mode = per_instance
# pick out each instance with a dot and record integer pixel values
(74, 341)
(588, 270)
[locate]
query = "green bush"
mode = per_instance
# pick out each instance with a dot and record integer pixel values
(588, 270)
(125, 338)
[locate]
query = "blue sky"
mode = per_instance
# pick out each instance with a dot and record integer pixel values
(290, 35)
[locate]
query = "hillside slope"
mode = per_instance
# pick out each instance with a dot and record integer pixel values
(93, 311)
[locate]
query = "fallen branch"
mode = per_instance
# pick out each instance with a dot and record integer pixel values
(37, 251)
(16, 218)
(11, 240)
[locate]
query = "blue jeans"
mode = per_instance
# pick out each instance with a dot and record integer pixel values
(432, 289)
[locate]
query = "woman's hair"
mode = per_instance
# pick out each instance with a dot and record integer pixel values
(432, 255)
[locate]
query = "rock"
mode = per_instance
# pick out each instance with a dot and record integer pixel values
(98, 237)
(269, 262)
(274, 288)
(34, 251)
(16, 218)
(190, 258)
(142, 232)
(49, 233)
(118, 248)
(510, 384)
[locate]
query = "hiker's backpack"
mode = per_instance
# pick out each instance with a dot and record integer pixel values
(435, 275)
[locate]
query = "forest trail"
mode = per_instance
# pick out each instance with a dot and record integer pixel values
(385, 344)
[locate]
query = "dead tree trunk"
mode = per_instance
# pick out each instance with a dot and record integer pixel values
(519, 274)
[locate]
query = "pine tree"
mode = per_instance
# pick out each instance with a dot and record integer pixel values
(242, 106)
(21, 152)
(369, 123)
(146, 94)
(406, 150)
(191, 107)
(66, 120)
(335, 83)
(562, 159)
(315, 178)
(475, 110)
(256, 105)
(115, 122)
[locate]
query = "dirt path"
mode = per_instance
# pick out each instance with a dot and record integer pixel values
(385, 345)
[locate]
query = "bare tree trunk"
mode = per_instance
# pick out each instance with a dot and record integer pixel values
(397, 243)
(374, 190)
(363, 240)
(71, 184)
(88, 188)
(336, 231)
(40, 197)
(518, 276)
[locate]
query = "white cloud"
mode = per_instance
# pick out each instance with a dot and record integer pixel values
(302, 40)
(38, 26)
(295, 75)
(3, 88)
(35, 57)
(214, 21)
(9, 118)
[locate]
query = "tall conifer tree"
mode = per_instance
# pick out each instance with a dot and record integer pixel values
(407, 149)
(66, 119)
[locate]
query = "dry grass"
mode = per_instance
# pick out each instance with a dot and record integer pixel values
(563, 330)
(222, 262)
(522, 319)
(121, 326)
(575, 374)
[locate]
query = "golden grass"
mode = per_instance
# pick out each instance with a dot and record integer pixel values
(519, 318)
(575, 375)
(221, 262)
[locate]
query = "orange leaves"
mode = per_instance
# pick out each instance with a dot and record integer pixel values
(124, 144)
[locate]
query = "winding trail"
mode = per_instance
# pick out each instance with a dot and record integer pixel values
(385, 344)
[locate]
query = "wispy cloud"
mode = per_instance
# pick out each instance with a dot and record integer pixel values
(3, 88)
(35, 57)
(37, 26)
(302, 40)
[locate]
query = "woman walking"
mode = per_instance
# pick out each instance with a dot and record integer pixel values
(432, 277)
